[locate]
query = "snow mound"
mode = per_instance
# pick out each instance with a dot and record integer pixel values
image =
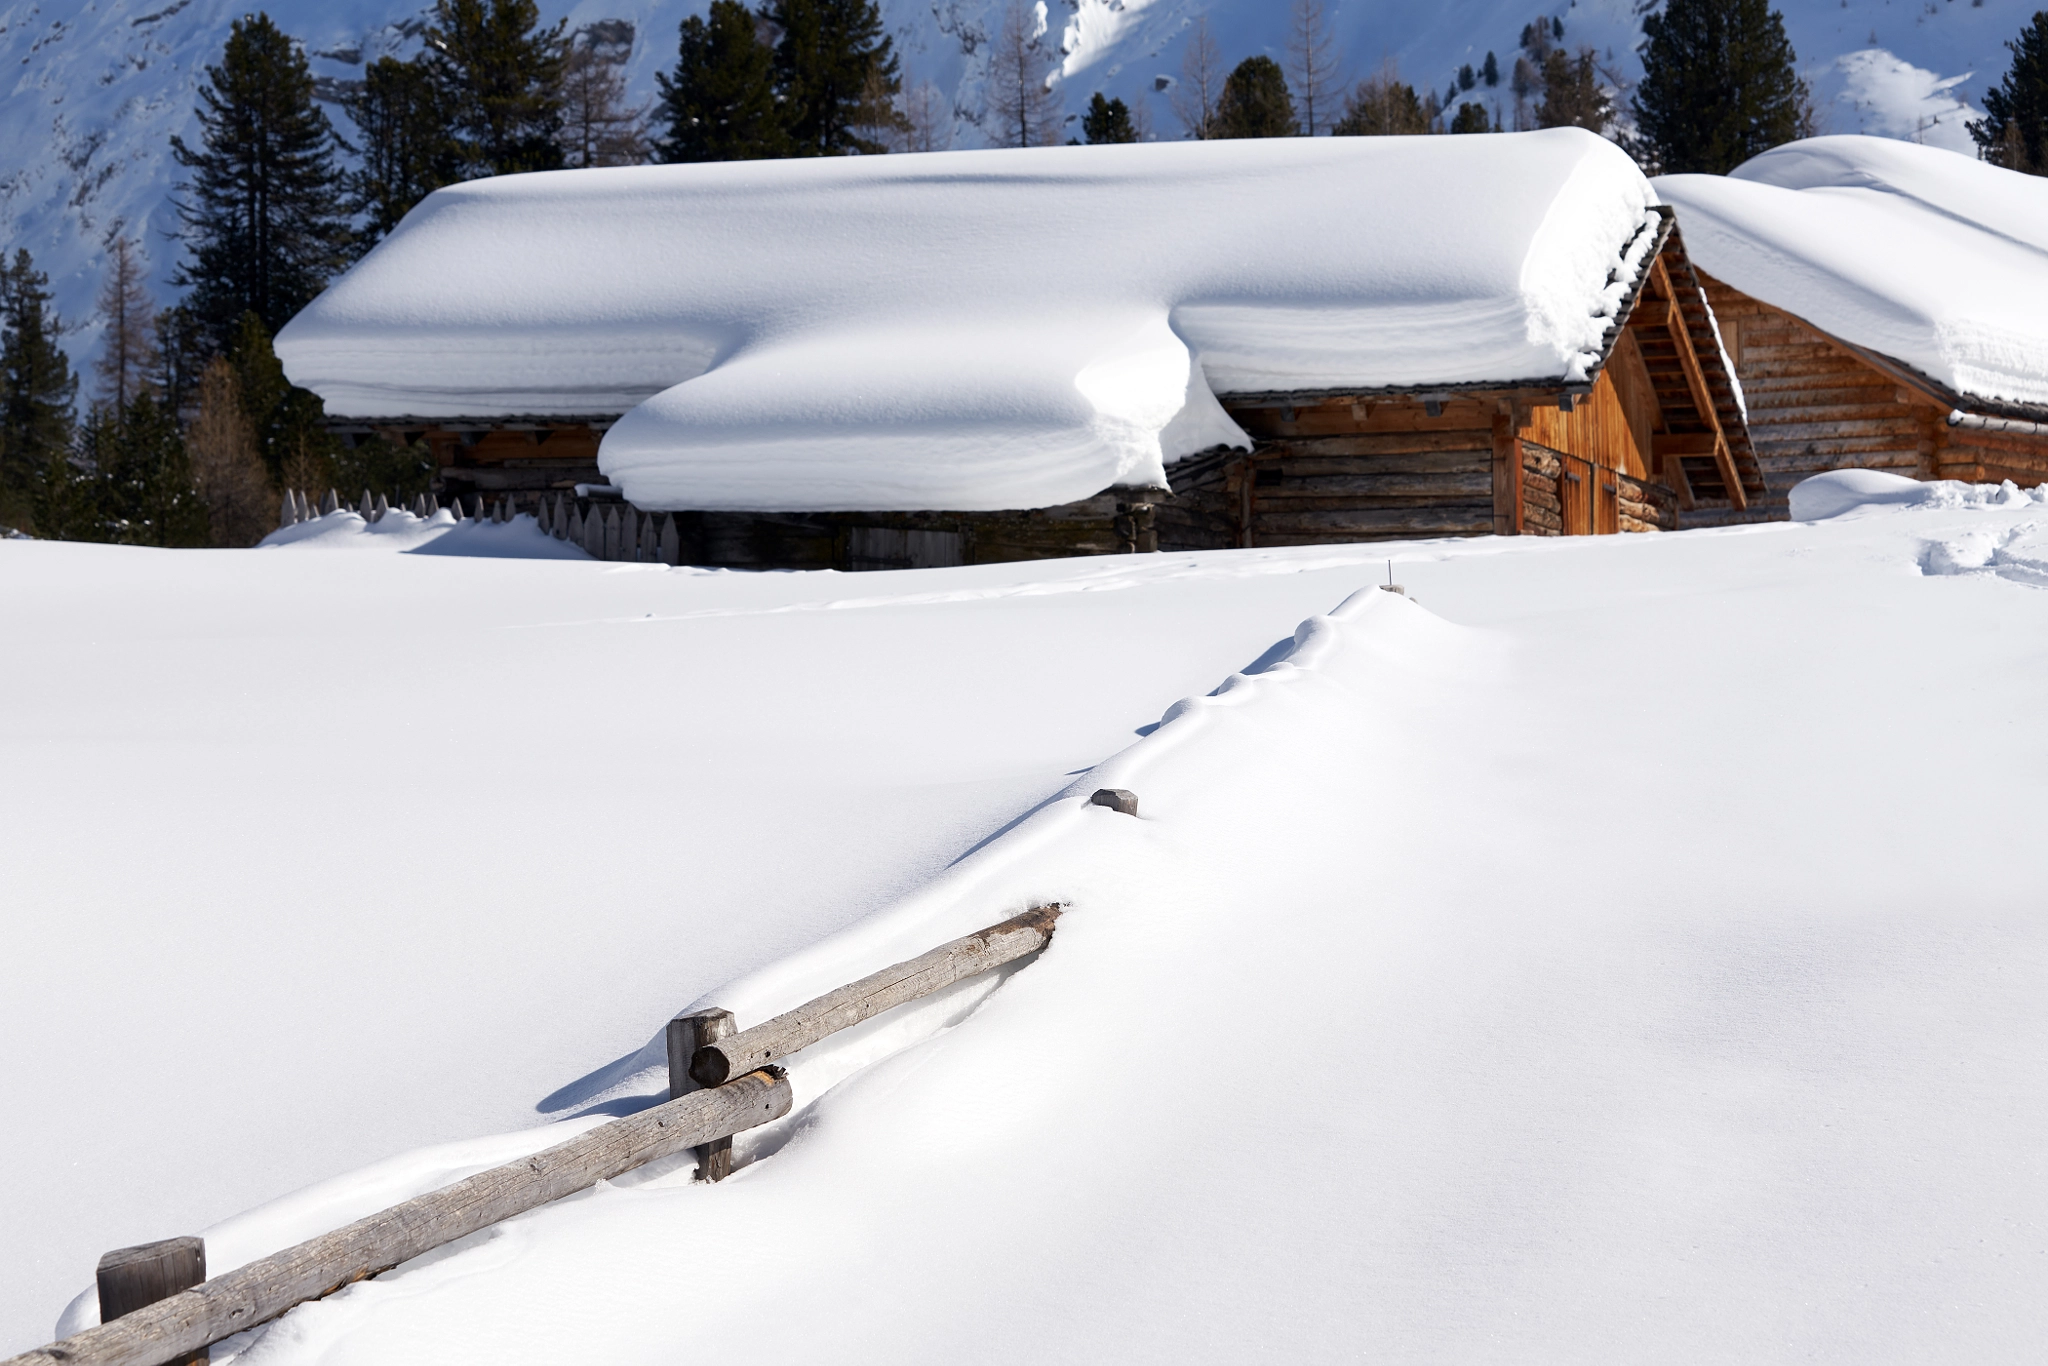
(1925, 256)
(2018, 553)
(976, 330)
(1839, 492)
(441, 534)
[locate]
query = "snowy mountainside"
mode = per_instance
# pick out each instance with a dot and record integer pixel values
(99, 87)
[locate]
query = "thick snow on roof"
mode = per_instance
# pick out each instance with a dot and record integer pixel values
(1920, 254)
(975, 330)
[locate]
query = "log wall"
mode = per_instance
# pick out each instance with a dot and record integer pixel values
(1816, 405)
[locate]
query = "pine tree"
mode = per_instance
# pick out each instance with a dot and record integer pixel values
(265, 224)
(178, 357)
(288, 421)
(37, 389)
(1385, 106)
(1471, 118)
(407, 152)
(1022, 110)
(1256, 103)
(1719, 85)
(145, 480)
(500, 79)
(127, 320)
(1107, 121)
(1572, 94)
(2014, 130)
(830, 58)
(720, 105)
(1490, 73)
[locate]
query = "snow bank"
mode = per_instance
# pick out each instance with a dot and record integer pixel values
(1925, 256)
(1839, 492)
(441, 534)
(974, 330)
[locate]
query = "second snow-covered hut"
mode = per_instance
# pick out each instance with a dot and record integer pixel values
(971, 356)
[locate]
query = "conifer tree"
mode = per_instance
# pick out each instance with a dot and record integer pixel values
(500, 78)
(1256, 103)
(830, 59)
(407, 151)
(720, 105)
(286, 420)
(1312, 65)
(1471, 118)
(1490, 73)
(145, 487)
(1022, 110)
(600, 126)
(127, 327)
(1107, 121)
(1572, 93)
(264, 222)
(37, 389)
(2014, 130)
(1384, 106)
(178, 356)
(1719, 85)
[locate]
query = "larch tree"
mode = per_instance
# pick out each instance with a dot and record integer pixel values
(265, 224)
(127, 321)
(1107, 121)
(37, 390)
(1023, 110)
(407, 151)
(1312, 66)
(1201, 81)
(720, 103)
(1573, 96)
(1384, 106)
(1256, 102)
(831, 57)
(600, 125)
(2014, 130)
(500, 79)
(927, 119)
(1720, 84)
(227, 473)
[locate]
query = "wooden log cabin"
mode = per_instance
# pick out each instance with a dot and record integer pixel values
(1879, 302)
(1626, 420)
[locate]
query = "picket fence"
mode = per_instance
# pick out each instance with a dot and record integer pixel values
(605, 531)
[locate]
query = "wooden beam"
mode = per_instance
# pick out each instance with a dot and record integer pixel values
(133, 1278)
(1650, 312)
(240, 1299)
(687, 1034)
(797, 1029)
(1507, 477)
(1702, 396)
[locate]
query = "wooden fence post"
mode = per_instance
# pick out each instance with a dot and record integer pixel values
(687, 1034)
(131, 1277)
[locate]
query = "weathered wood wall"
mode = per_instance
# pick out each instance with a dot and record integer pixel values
(1815, 405)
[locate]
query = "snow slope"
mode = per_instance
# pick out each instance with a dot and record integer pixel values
(1923, 255)
(976, 330)
(1619, 948)
(98, 86)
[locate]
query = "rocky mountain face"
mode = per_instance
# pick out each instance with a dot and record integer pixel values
(98, 87)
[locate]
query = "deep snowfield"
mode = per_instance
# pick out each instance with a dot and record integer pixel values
(1619, 949)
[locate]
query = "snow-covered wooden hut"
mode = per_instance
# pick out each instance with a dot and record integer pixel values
(1885, 304)
(973, 356)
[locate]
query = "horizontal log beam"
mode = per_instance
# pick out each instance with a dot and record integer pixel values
(798, 1029)
(238, 1300)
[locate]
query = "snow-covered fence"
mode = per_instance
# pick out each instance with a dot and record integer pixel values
(605, 530)
(170, 1318)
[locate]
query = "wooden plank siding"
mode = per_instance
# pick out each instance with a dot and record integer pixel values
(1816, 404)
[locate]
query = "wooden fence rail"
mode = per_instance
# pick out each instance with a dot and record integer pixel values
(187, 1322)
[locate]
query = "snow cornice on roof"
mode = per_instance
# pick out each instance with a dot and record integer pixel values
(981, 330)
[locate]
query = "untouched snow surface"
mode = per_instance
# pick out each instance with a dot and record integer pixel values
(1619, 949)
(975, 330)
(1929, 257)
